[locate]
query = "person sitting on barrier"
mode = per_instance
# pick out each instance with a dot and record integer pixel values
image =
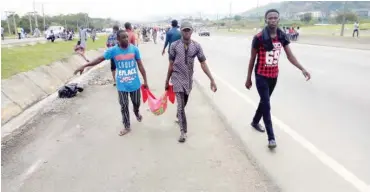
(80, 50)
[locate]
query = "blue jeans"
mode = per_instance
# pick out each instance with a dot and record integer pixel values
(265, 87)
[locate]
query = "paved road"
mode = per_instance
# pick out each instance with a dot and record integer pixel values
(74, 146)
(322, 126)
(30, 40)
(21, 41)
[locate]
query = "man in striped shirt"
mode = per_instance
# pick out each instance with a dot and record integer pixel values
(181, 68)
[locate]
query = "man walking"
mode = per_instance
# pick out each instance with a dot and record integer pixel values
(127, 59)
(131, 34)
(267, 45)
(355, 29)
(111, 42)
(180, 71)
(171, 36)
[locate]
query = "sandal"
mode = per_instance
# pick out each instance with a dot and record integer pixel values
(124, 132)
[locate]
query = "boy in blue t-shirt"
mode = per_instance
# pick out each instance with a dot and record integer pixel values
(127, 60)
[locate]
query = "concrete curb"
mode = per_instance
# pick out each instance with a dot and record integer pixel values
(16, 126)
(236, 135)
(22, 90)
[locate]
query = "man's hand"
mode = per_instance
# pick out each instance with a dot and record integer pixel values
(163, 52)
(145, 85)
(306, 74)
(80, 69)
(213, 86)
(166, 85)
(248, 83)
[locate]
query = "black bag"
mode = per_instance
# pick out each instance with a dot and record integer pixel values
(70, 90)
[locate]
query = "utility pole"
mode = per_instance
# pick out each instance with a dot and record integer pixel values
(15, 26)
(30, 19)
(343, 18)
(7, 20)
(230, 16)
(43, 15)
(34, 10)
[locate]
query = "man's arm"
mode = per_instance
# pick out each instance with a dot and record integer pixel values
(252, 59)
(292, 59)
(172, 56)
(140, 65)
(142, 70)
(202, 60)
(167, 40)
(295, 62)
(95, 61)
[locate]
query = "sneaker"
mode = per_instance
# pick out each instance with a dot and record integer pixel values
(258, 127)
(272, 144)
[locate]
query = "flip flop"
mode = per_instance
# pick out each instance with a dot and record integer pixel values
(124, 132)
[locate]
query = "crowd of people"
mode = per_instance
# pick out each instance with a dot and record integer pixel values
(126, 62)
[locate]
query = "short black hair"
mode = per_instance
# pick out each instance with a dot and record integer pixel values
(128, 25)
(115, 27)
(174, 23)
(119, 32)
(271, 11)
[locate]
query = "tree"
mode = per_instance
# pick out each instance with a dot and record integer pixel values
(237, 17)
(306, 17)
(349, 16)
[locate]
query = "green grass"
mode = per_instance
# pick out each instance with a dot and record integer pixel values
(20, 59)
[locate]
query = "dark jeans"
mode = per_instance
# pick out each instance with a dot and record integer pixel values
(355, 31)
(265, 87)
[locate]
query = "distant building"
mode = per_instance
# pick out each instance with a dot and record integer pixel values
(362, 12)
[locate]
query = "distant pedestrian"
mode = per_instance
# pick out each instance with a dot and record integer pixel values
(128, 60)
(181, 68)
(171, 36)
(355, 29)
(266, 46)
(111, 42)
(130, 33)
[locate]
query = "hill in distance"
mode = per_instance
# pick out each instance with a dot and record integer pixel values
(288, 7)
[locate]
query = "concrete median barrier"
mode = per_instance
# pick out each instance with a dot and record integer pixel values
(9, 109)
(22, 90)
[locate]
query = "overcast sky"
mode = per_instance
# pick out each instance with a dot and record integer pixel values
(131, 9)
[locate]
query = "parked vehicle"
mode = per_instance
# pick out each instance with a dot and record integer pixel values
(204, 32)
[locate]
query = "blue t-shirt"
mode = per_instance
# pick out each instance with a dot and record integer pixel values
(127, 77)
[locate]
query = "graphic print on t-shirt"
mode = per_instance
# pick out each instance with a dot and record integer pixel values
(127, 76)
(272, 57)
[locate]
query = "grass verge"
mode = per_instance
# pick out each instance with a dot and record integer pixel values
(15, 60)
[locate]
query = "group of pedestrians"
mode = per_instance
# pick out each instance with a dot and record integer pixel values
(126, 60)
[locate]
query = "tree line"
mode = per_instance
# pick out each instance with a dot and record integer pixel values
(69, 21)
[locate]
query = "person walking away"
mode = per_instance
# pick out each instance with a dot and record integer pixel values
(355, 29)
(19, 31)
(128, 60)
(181, 69)
(111, 42)
(266, 46)
(297, 33)
(155, 32)
(171, 36)
(83, 37)
(93, 35)
(2, 33)
(131, 34)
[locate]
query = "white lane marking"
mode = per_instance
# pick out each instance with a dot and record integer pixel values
(29, 171)
(324, 158)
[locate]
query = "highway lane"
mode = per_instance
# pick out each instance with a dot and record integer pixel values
(331, 113)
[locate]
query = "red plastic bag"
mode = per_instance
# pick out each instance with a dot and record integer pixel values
(158, 106)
